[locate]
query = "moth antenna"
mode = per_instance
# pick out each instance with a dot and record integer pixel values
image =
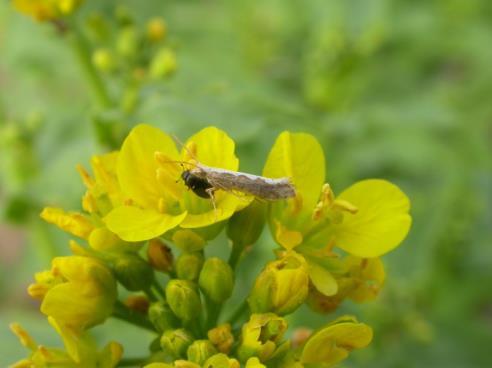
(180, 143)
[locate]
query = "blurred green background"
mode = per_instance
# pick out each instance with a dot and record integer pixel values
(394, 89)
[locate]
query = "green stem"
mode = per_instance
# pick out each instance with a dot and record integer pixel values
(150, 294)
(238, 313)
(235, 256)
(81, 49)
(132, 362)
(122, 312)
(159, 289)
(213, 313)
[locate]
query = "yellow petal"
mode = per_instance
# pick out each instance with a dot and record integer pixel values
(135, 224)
(137, 167)
(212, 147)
(72, 222)
(322, 279)
(288, 239)
(381, 222)
(332, 343)
(300, 157)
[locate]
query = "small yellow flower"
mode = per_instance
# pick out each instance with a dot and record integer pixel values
(367, 220)
(80, 350)
(45, 10)
(261, 337)
(78, 292)
(148, 174)
(332, 343)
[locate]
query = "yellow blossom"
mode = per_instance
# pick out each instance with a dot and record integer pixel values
(368, 219)
(78, 292)
(80, 350)
(149, 173)
(44, 10)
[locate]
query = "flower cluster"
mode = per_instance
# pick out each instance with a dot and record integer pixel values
(143, 234)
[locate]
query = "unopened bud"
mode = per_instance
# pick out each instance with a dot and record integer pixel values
(200, 350)
(163, 64)
(103, 60)
(281, 287)
(216, 280)
(156, 29)
(222, 338)
(162, 317)
(127, 43)
(138, 303)
(133, 272)
(184, 300)
(221, 361)
(176, 342)
(189, 265)
(160, 256)
(245, 227)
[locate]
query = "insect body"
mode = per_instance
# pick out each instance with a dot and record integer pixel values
(203, 180)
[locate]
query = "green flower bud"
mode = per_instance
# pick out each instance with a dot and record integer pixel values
(184, 300)
(221, 361)
(189, 265)
(133, 272)
(162, 317)
(216, 280)
(176, 342)
(261, 336)
(127, 43)
(160, 256)
(103, 60)
(245, 227)
(281, 287)
(200, 350)
(163, 64)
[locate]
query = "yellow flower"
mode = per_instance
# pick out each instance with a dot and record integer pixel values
(367, 220)
(80, 350)
(332, 343)
(262, 337)
(149, 174)
(45, 10)
(78, 292)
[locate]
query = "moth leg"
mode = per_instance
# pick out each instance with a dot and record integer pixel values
(210, 192)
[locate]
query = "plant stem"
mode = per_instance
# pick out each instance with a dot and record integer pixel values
(124, 313)
(213, 313)
(238, 313)
(82, 52)
(235, 256)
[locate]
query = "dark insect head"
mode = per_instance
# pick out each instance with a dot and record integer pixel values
(198, 185)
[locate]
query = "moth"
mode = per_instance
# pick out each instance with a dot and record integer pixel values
(205, 180)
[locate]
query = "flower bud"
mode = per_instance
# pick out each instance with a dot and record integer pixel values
(162, 317)
(138, 303)
(261, 336)
(103, 60)
(127, 43)
(133, 272)
(245, 227)
(216, 280)
(200, 350)
(156, 29)
(281, 287)
(163, 64)
(176, 342)
(160, 256)
(189, 265)
(222, 338)
(184, 300)
(221, 361)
